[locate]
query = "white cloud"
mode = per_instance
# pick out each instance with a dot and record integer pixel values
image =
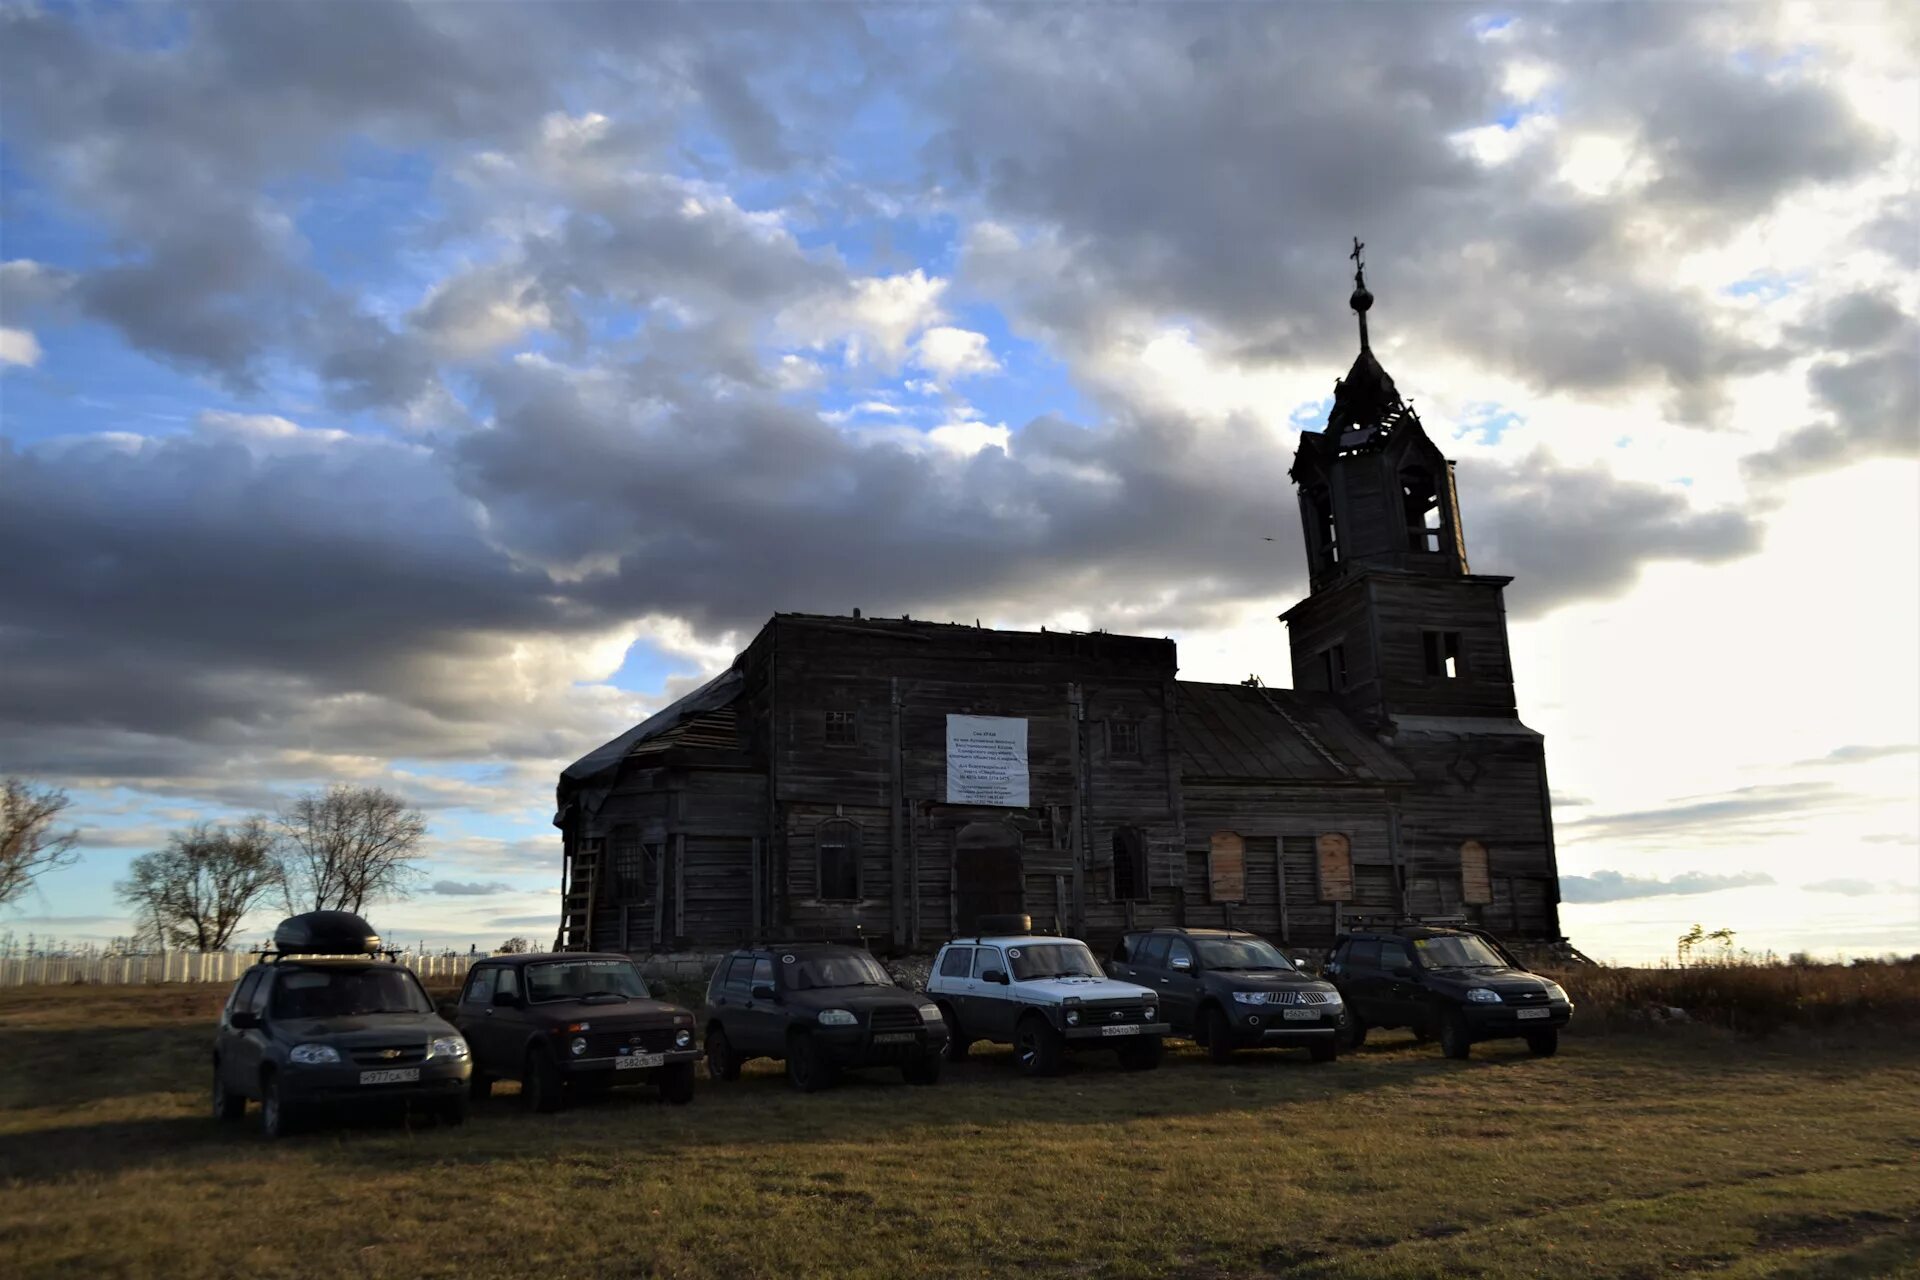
(950, 354)
(19, 347)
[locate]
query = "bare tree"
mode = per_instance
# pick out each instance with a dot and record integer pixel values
(29, 846)
(194, 893)
(514, 946)
(346, 847)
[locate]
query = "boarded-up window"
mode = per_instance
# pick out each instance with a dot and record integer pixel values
(1227, 867)
(1129, 865)
(1476, 885)
(836, 847)
(843, 729)
(629, 864)
(1335, 857)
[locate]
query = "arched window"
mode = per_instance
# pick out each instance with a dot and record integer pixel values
(836, 850)
(1420, 496)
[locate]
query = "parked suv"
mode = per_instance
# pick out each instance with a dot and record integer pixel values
(572, 1022)
(1230, 991)
(1454, 984)
(328, 1020)
(822, 1008)
(1045, 996)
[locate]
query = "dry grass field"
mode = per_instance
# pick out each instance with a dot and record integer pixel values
(1661, 1152)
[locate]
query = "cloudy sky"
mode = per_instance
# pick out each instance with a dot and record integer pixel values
(419, 394)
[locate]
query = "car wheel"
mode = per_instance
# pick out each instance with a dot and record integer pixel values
(1544, 1044)
(227, 1105)
(676, 1083)
(807, 1067)
(278, 1117)
(1142, 1055)
(925, 1071)
(479, 1087)
(1454, 1040)
(542, 1087)
(1219, 1033)
(1036, 1046)
(453, 1112)
(1354, 1032)
(722, 1062)
(957, 1042)
(1324, 1050)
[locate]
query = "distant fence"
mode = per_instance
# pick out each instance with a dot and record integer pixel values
(182, 966)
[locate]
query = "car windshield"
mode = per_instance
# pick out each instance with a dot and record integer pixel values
(1240, 953)
(1052, 960)
(585, 979)
(842, 969)
(1456, 951)
(347, 993)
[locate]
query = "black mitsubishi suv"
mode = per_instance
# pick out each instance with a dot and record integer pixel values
(327, 1019)
(1228, 990)
(821, 1007)
(1457, 985)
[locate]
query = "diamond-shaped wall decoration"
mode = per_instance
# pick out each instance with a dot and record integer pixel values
(1466, 769)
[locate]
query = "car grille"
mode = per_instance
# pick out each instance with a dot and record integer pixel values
(1524, 997)
(390, 1055)
(611, 1044)
(1106, 1013)
(895, 1019)
(1293, 997)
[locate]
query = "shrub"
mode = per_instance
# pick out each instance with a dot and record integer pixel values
(1751, 996)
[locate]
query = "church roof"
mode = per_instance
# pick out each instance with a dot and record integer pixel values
(1231, 732)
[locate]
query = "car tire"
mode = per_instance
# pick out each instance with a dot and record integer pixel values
(1544, 1044)
(1324, 1050)
(807, 1067)
(453, 1112)
(1037, 1047)
(1353, 1033)
(1454, 1040)
(722, 1062)
(278, 1117)
(541, 1087)
(1219, 1033)
(925, 1071)
(479, 1087)
(1142, 1055)
(676, 1083)
(227, 1105)
(957, 1042)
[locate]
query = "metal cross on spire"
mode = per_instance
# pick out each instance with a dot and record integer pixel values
(1361, 299)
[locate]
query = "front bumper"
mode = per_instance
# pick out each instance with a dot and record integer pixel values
(338, 1084)
(584, 1066)
(1114, 1036)
(1270, 1025)
(1495, 1021)
(860, 1047)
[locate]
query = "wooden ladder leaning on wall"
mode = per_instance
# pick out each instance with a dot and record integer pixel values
(576, 910)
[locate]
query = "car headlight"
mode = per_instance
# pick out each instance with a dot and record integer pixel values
(579, 1045)
(1250, 997)
(1557, 992)
(1332, 1000)
(1152, 1014)
(313, 1055)
(1483, 995)
(838, 1018)
(681, 1039)
(447, 1047)
(1073, 1017)
(930, 1013)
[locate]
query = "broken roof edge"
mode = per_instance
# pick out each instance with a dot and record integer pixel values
(715, 693)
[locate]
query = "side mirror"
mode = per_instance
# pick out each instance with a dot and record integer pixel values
(994, 975)
(762, 991)
(1180, 964)
(243, 1020)
(446, 1009)
(506, 999)
(1400, 971)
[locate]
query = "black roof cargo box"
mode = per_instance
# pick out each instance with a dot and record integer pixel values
(325, 933)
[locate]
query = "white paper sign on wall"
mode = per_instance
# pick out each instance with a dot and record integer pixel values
(987, 761)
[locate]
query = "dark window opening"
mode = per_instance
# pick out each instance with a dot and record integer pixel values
(843, 730)
(1333, 666)
(1123, 737)
(837, 849)
(1443, 654)
(1421, 499)
(1129, 865)
(1325, 527)
(629, 864)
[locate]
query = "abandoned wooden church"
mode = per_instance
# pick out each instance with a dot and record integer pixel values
(892, 779)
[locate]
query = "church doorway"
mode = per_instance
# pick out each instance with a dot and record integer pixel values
(986, 873)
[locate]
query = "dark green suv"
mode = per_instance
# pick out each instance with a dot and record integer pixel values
(328, 1020)
(1229, 990)
(1453, 984)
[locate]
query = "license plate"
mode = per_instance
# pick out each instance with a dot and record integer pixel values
(894, 1037)
(1534, 1013)
(400, 1075)
(1300, 1015)
(1119, 1031)
(638, 1061)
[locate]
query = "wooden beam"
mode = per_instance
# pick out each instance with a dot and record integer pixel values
(679, 887)
(896, 853)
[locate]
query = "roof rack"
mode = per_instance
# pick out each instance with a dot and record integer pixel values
(268, 955)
